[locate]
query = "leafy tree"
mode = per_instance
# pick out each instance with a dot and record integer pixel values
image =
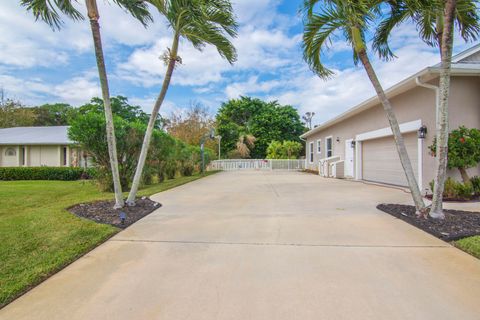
(436, 21)
(353, 19)
(463, 150)
(57, 114)
(14, 114)
(192, 125)
(48, 11)
(284, 150)
(199, 22)
(121, 108)
(266, 121)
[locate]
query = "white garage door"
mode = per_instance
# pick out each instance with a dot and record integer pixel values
(381, 162)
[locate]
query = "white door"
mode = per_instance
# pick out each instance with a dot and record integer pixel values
(349, 158)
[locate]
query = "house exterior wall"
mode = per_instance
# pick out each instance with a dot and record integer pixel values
(39, 155)
(415, 104)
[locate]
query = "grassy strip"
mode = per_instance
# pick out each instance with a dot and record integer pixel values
(39, 237)
(470, 245)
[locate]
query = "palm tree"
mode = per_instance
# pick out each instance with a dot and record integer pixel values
(48, 11)
(245, 143)
(435, 21)
(352, 19)
(199, 22)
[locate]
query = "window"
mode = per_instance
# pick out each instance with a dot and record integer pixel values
(311, 152)
(22, 156)
(319, 146)
(64, 156)
(328, 147)
(10, 152)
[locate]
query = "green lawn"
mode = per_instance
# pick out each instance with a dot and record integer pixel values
(38, 236)
(470, 245)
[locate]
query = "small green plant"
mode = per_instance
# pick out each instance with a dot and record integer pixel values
(187, 169)
(171, 169)
(475, 181)
(456, 190)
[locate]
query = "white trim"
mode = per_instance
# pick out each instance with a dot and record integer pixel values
(319, 144)
(420, 164)
(311, 153)
(385, 132)
(326, 147)
(358, 160)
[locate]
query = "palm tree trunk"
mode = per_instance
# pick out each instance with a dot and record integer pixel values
(442, 111)
(151, 123)
(102, 73)
(392, 119)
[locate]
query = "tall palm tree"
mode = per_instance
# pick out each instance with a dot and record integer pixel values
(49, 11)
(353, 19)
(435, 21)
(199, 22)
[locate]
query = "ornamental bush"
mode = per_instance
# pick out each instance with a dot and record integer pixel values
(463, 150)
(455, 190)
(46, 173)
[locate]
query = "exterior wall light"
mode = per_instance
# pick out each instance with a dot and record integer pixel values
(338, 139)
(422, 132)
(352, 144)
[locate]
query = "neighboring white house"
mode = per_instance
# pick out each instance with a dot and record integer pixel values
(362, 138)
(39, 146)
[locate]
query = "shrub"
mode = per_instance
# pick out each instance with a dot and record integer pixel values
(171, 169)
(187, 169)
(475, 181)
(456, 190)
(45, 173)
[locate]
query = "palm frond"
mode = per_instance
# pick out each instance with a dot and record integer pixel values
(49, 11)
(138, 9)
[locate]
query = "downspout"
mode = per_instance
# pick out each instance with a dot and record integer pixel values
(436, 89)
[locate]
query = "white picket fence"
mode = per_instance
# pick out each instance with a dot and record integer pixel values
(257, 164)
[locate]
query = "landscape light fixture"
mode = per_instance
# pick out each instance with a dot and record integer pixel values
(422, 132)
(123, 216)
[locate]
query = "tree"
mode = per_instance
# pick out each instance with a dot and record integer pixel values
(43, 9)
(47, 10)
(245, 145)
(56, 114)
(353, 19)
(191, 125)
(435, 20)
(199, 22)
(463, 150)
(14, 114)
(284, 150)
(266, 121)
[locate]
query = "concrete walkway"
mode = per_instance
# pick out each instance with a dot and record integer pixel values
(263, 245)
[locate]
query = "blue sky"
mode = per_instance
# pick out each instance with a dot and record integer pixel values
(38, 65)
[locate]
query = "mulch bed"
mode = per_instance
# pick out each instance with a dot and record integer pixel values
(103, 212)
(456, 225)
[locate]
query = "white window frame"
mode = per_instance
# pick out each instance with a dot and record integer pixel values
(310, 153)
(319, 146)
(326, 147)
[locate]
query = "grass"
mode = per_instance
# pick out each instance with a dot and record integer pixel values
(470, 245)
(39, 236)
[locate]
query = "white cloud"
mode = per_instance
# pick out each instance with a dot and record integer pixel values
(252, 85)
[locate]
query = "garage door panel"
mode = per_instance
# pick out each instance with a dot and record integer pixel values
(381, 163)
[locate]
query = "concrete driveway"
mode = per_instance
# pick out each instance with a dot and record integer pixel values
(263, 245)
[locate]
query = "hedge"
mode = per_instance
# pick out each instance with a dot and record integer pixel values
(46, 173)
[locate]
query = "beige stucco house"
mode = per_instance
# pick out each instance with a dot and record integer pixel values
(362, 138)
(39, 146)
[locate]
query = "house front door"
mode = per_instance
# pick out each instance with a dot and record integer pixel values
(349, 152)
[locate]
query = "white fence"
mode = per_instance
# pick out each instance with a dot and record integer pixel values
(257, 164)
